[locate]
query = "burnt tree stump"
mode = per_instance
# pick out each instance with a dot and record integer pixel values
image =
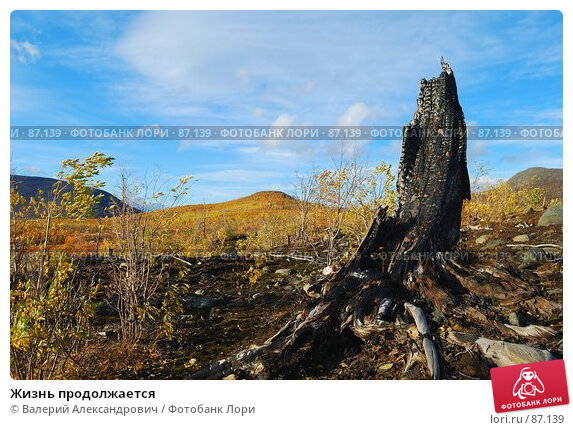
(401, 256)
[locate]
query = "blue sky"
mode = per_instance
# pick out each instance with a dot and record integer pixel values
(275, 68)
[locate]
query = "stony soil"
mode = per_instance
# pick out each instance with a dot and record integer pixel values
(225, 314)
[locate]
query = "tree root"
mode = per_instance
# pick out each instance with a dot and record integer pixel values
(429, 349)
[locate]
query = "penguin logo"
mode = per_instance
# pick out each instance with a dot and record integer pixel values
(528, 384)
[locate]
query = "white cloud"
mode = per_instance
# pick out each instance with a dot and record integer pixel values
(284, 120)
(280, 61)
(477, 149)
(239, 175)
(29, 170)
(25, 52)
(485, 182)
(355, 115)
(243, 76)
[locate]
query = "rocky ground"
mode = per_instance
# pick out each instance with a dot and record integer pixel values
(224, 313)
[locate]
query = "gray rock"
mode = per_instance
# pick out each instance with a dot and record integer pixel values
(284, 272)
(521, 238)
(533, 258)
(552, 216)
(553, 253)
(483, 239)
(517, 319)
(437, 317)
(492, 244)
(202, 303)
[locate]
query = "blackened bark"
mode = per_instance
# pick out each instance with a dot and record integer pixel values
(433, 178)
(403, 249)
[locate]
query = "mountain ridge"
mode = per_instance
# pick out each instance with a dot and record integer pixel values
(28, 186)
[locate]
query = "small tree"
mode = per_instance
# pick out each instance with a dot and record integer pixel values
(50, 308)
(374, 189)
(20, 239)
(139, 237)
(71, 196)
(306, 194)
(348, 197)
(492, 202)
(335, 188)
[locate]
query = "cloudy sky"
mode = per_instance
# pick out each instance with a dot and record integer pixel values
(275, 68)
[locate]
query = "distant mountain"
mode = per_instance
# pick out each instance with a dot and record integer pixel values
(549, 179)
(28, 187)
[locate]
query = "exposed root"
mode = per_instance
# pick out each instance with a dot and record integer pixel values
(432, 358)
(533, 331)
(414, 357)
(507, 354)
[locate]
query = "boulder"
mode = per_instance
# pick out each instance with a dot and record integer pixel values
(483, 239)
(552, 216)
(284, 272)
(521, 238)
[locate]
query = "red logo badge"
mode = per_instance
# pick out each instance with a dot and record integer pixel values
(528, 386)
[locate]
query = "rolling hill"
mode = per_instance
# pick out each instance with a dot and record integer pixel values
(243, 214)
(549, 179)
(261, 201)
